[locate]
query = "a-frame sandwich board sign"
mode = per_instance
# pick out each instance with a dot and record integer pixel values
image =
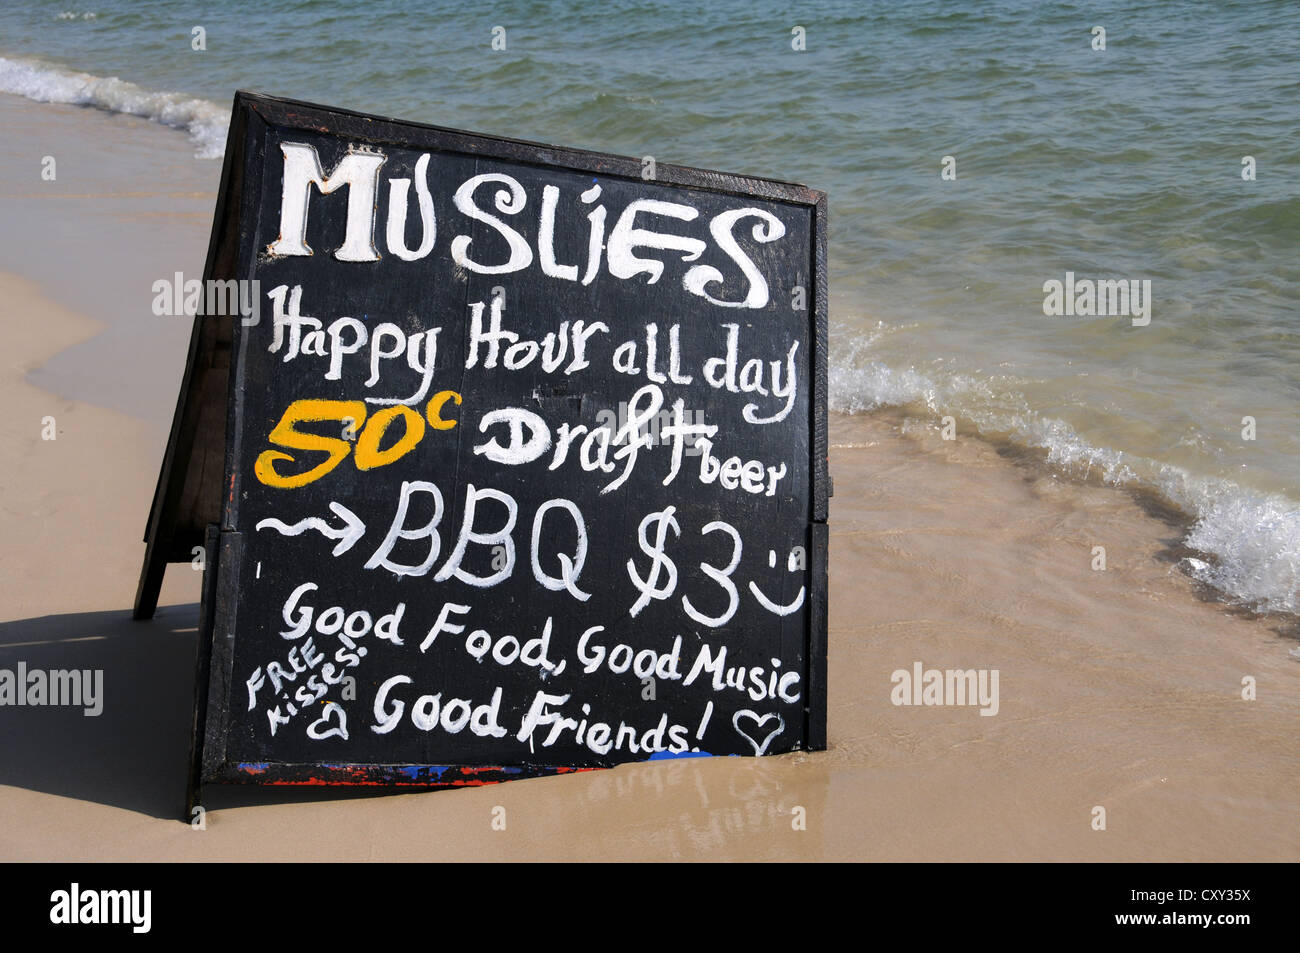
(513, 461)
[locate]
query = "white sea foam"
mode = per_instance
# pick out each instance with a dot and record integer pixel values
(205, 122)
(1254, 537)
(1251, 539)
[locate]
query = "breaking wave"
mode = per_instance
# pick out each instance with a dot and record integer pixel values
(1250, 540)
(205, 121)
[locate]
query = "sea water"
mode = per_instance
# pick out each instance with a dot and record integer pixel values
(974, 154)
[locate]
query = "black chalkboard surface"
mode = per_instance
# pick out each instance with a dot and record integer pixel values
(518, 467)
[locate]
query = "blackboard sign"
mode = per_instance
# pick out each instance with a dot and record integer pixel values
(517, 467)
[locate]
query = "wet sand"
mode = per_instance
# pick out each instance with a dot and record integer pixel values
(1120, 689)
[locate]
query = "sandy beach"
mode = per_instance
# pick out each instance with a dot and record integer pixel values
(1120, 689)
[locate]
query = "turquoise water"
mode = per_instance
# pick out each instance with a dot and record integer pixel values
(1117, 164)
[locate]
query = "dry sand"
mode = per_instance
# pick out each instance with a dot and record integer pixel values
(1119, 689)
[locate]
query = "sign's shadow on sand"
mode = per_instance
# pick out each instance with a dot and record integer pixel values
(135, 753)
(131, 755)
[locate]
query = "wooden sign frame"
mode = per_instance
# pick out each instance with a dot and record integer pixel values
(193, 500)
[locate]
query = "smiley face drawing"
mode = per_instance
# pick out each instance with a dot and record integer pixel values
(794, 563)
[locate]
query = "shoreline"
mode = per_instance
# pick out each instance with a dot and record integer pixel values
(129, 205)
(1119, 688)
(1035, 463)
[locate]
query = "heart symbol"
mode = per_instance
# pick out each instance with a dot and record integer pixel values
(341, 729)
(759, 722)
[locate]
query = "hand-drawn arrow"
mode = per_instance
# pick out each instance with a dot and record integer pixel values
(353, 527)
